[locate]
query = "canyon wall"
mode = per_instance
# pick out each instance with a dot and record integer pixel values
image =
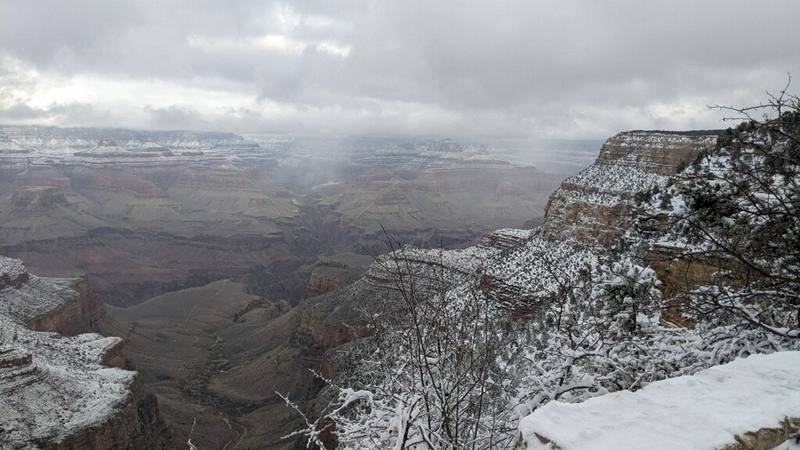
(595, 206)
(515, 269)
(585, 218)
(62, 386)
(81, 315)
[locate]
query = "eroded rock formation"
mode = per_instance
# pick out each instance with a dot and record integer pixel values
(595, 206)
(143, 213)
(66, 392)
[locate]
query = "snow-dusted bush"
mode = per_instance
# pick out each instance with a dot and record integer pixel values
(433, 373)
(737, 208)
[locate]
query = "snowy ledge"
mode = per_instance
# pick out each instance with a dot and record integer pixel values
(723, 407)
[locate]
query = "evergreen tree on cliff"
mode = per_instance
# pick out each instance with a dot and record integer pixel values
(737, 209)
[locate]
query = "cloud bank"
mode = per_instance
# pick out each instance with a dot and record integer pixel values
(507, 68)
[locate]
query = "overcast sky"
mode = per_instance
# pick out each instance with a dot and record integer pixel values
(583, 69)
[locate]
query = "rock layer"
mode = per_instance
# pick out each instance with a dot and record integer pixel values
(58, 391)
(595, 206)
(143, 213)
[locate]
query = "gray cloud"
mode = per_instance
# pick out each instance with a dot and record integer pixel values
(18, 112)
(577, 68)
(65, 114)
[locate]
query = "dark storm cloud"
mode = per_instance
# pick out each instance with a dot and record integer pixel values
(506, 67)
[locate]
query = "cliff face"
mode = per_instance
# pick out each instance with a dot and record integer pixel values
(58, 391)
(60, 305)
(136, 424)
(514, 268)
(592, 209)
(678, 276)
(326, 279)
(657, 152)
(594, 206)
(81, 315)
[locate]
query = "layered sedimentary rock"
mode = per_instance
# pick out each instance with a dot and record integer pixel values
(237, 349)
(166, 206)
(66, 392)
(61, 305)
(509, 266)
(678, 276)
(12, 273)
(324, 280)
(595, 206)
(584, 216)
(163, 206)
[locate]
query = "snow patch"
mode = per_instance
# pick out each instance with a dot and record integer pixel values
(702, 411)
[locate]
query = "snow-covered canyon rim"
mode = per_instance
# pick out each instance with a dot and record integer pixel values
(707, 410)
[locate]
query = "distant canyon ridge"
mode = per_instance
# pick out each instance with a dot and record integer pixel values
(141, 213)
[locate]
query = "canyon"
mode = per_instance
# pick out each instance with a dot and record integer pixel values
(252, 347)
(612, 257)
(213, 251)
(245, 267)
(143, 213)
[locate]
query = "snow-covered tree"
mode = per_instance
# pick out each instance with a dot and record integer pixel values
(737, 209)
(432, 375)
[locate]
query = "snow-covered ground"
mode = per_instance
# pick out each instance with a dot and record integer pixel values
(51, 386)
(702, 411)
(36, 297)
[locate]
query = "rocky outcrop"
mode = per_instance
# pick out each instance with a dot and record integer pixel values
(322, 281)
(136, 424)
(327, 278)
(80, 315)
(768, 438)
(12, 273)
(66, 392)
(332, 273)
(595, 206)
(327, 336)
(657, 152)
(678, 276)
(60, 305)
